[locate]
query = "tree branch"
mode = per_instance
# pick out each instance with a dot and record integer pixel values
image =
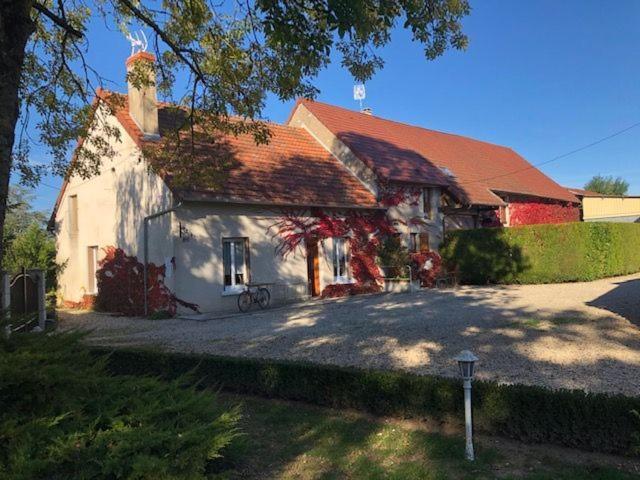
(57, 20)
(180, 52)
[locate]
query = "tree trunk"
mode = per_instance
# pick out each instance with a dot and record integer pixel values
(16, 26)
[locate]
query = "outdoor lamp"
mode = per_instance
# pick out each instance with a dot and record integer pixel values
(466, 362)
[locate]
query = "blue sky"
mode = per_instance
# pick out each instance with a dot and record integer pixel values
(542, 77)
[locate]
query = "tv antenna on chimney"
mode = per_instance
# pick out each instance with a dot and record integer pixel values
(138, 42)
(359, 93)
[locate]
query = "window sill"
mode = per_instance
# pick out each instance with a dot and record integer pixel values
(231, 291)
(343, 280)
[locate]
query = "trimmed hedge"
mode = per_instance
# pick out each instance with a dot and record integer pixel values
(567, 252)
(572, 418)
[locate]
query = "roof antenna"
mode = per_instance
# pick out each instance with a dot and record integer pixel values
(138, 41)
(359, 93)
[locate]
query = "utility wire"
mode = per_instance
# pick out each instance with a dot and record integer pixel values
(572, 152)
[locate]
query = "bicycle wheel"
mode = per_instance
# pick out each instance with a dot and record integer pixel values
(263, 297)
(244, 301)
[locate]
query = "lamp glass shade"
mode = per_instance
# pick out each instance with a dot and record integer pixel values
(466, 362)
(466, 369)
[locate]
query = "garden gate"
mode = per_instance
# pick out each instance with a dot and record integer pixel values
(24, 294)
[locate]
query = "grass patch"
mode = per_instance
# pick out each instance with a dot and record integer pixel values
(295, 441)
(533, 414)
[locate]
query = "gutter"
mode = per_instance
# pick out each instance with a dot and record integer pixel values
(145, 235)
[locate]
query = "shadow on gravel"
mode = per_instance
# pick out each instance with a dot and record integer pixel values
(623, 300)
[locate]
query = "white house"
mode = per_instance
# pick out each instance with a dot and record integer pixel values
(325, 158)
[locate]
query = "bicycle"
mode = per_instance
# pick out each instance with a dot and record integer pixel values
(254, 294)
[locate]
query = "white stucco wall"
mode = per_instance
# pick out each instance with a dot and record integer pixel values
(405, 212)
(199, 267)
(111, 207)
(113, 204)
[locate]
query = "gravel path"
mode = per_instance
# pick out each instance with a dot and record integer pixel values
(580, 335)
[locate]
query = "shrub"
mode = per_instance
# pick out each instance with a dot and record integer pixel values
(393, 257)
(121, 286)
(533, 414)
(544, 253)
(63, 416)
(426, 267)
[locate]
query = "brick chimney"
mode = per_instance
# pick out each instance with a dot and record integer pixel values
(143, 102)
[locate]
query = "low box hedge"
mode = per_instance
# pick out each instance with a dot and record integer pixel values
(573, 418)
(565, 252)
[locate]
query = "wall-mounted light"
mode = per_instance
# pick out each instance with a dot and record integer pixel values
(184, 233)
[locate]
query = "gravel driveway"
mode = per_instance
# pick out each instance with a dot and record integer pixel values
(580, 335)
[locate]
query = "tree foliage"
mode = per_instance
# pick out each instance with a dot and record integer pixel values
(218, 61)
(608, 185)
(26, 242)
(233, 55)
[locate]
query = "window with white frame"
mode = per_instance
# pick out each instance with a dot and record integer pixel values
(92, 267)
(340, 261)
(235, 253)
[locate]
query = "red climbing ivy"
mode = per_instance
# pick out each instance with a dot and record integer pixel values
(531, 213)
(335, 290)
(363, 231)
(121, 286)
(425, 267)
(394, 195)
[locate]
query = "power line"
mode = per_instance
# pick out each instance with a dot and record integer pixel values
(564, 155)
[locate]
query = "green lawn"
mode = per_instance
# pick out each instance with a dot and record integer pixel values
(296, 441)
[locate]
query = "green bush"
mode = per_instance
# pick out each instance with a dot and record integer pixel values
(394, 257)
(533, 414)
(567, 252)
(62, 415)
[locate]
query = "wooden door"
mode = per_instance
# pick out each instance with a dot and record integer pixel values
(313, 269)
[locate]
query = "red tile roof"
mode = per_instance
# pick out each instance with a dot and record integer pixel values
(292, 169)
(406, 153)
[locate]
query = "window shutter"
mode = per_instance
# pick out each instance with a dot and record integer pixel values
(247, 259)
(424, 242)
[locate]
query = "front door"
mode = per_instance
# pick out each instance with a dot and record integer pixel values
(313, 269)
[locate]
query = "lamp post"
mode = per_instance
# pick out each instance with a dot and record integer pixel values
(466, 362)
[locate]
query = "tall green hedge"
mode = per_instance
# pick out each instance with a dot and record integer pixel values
(573, 418)
(565, 252)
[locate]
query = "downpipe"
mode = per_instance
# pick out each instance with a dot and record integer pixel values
(145, 235)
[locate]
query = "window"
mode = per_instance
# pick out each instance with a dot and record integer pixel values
(92, 268)
(73, 214)
(235, 259)
(427, 204)
(413, 242)
(340, 261)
